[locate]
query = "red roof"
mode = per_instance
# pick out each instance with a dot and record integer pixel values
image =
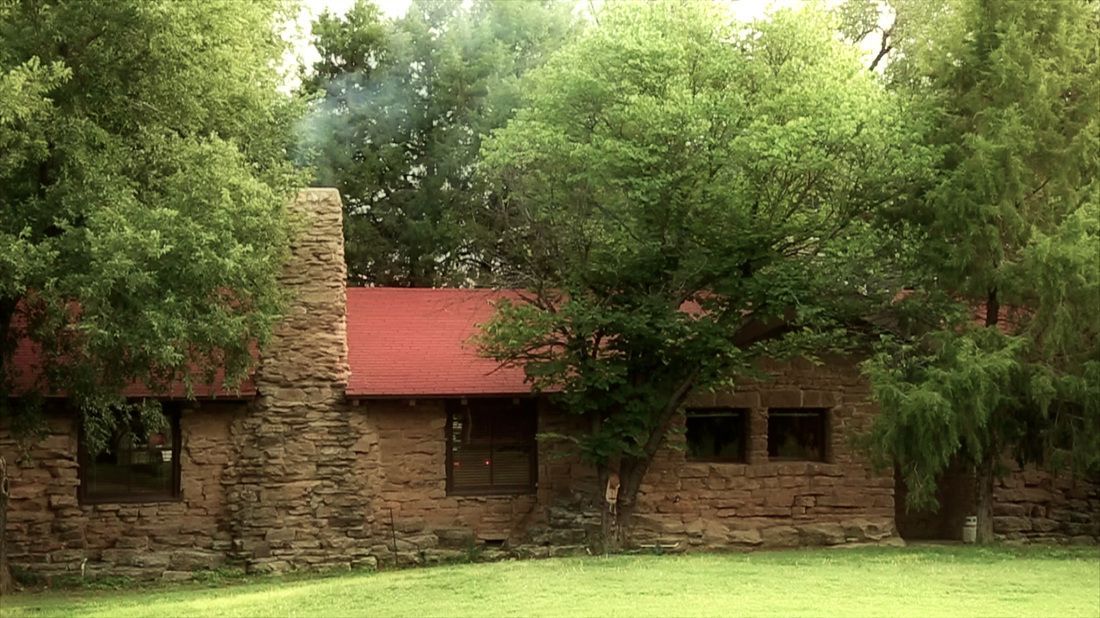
(27, 363)
(418, 342)
(402, 342)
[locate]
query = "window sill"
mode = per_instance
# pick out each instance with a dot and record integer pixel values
(489, 492)
(153, 499)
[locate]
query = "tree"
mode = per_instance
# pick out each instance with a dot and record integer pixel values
(671, 196)
(403, 106)
(143, 179)
(1008, 229)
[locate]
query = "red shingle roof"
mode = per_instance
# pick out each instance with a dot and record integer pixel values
(418, 342)
(402, 342)
(27, 363)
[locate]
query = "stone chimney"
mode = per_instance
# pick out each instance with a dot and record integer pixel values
(310, 346)
(291, 492)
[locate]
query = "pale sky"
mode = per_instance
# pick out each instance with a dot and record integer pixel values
(312, 8)
(744, 10)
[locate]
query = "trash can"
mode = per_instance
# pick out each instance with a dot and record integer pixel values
(970, 529)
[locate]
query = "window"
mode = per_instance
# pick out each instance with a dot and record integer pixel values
(491, 446)
(139, 464)
(716, 434)
(797, 434)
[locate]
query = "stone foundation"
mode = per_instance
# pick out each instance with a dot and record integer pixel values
(429, 525)
(364, 485)
(1032, 505)
(682, 505)
(1029, 505)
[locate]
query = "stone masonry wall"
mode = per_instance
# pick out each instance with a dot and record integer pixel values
(682, 505)
(409, 477)
(1032, 505)
(294, 496)
(1029, 505)
(51, 534)
(774, 504)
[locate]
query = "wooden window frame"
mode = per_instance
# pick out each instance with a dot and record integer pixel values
(746, 429)
(528, 407)
(173, 414)
(825, 414)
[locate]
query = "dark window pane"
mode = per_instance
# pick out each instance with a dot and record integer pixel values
(471, 466)
(797, 434)
(514, 426)
(512, 466)
(492, 445)
(716, 435)
(138, 463)
(477, 428)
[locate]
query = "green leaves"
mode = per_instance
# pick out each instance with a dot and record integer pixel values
(1006, 229)
(676, 194)
(143, 175)
(401, 109)
(941, 396)
(25, 109)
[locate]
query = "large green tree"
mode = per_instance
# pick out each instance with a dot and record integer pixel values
(143, 179)
(403, 104)
(682, 195)
(1007, 239)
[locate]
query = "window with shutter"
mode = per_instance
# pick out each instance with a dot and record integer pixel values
(491, 446)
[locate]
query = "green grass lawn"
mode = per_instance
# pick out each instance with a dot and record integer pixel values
(922, 581)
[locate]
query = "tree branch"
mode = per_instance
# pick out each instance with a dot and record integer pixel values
(884, 48)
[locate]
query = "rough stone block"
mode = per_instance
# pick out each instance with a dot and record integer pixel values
(193, 559)
(750, 538)
(821, 534)
(780, 536)
(1011, 524)
(151, 560)
(791, 398)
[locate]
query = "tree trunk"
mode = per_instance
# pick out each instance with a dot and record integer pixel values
(631, 479)
(608, 518)
(984, 501)
(617, 501)
(7, 341)
(5, 574)
(616, 513)
(984, 469)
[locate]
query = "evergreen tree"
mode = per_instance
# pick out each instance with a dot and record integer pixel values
(403, 106)
(1008, 231)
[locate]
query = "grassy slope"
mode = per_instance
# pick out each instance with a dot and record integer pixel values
(897, 582)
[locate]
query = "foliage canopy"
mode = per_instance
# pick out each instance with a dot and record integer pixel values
(143, 175)
(1008, 228)
(402, 106)
(682, 195)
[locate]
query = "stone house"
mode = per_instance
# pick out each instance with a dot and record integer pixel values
(373, 433)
